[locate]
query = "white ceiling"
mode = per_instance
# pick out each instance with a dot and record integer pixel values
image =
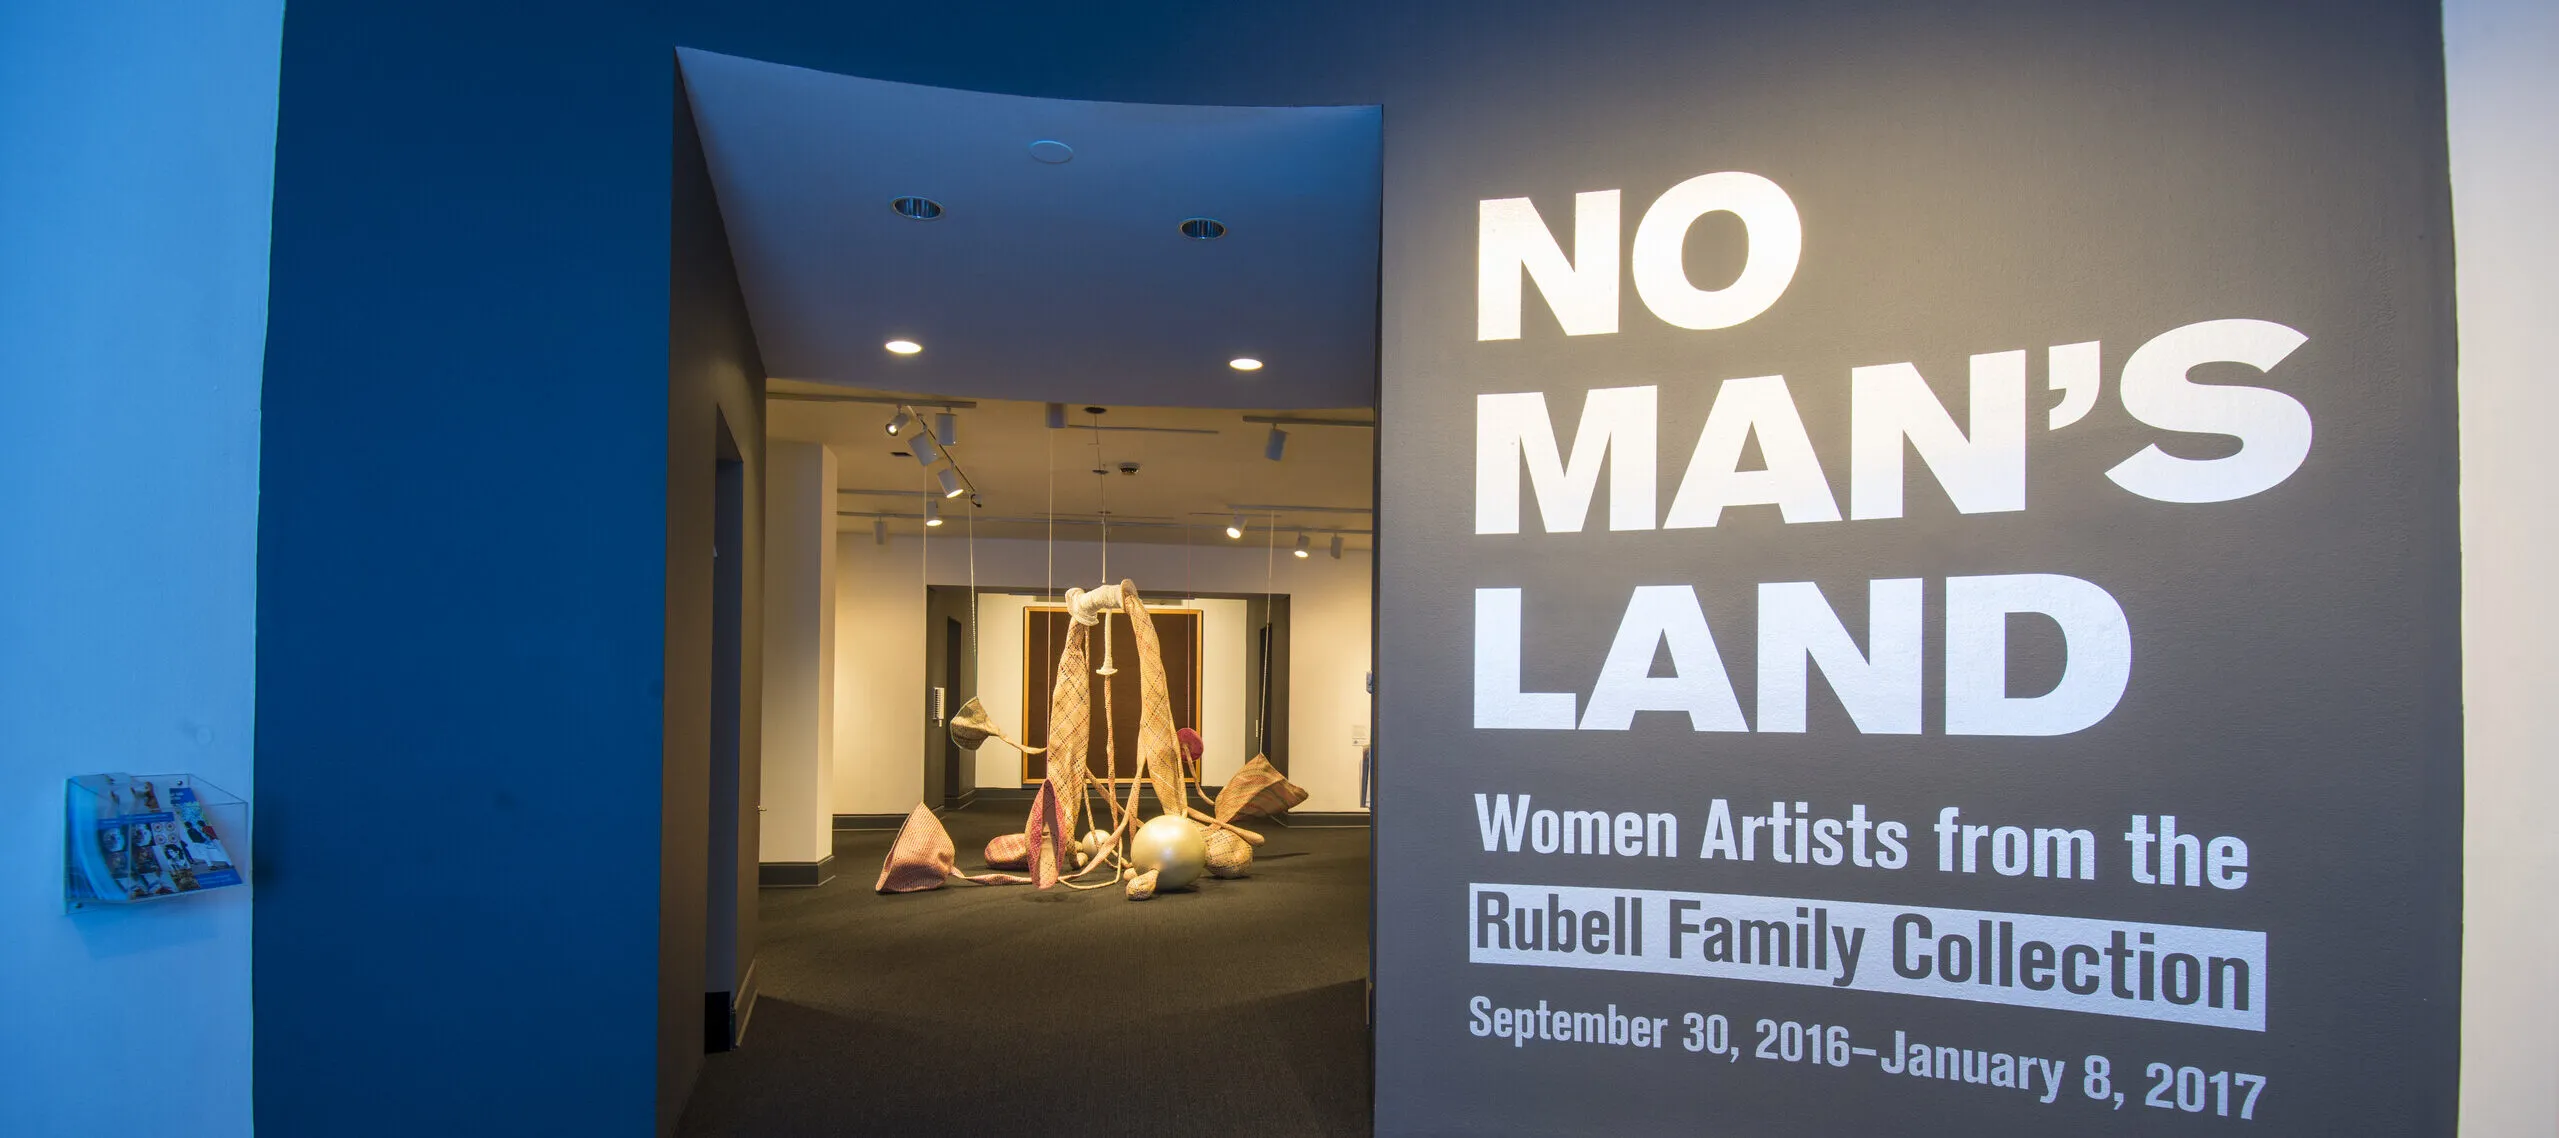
(1046, 282)
(1183, 480)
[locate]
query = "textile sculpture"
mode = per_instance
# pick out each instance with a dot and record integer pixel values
(1181, 842)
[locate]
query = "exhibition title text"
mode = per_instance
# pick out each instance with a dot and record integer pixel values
(1980, 464)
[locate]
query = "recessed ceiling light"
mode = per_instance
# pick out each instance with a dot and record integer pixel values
(903, 347)
(1203, 228)
(1052, 151)
(1245, 363)
(916, 208)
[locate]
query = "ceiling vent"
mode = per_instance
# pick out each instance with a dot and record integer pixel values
(1203, 228)
(915, 208)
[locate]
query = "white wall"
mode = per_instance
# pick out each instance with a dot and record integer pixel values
(135, 180)
(1224, 682)
(2504, 114)
(879, 675)
(880, 667)
(798, 786)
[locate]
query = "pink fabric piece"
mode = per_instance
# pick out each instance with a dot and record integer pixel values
(1051, 847)
(923, 858)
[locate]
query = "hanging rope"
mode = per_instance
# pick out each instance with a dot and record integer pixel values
(1270, 591)
(972, 641)
(1048, 586)
(1102, 502)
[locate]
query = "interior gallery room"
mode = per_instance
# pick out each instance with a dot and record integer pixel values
(1100, 347)
(767, 568)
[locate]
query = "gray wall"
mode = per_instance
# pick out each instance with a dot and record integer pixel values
(1971, 179)
(714, 378)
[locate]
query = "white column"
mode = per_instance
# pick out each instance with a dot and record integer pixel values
(799, 653)
(2504, 143)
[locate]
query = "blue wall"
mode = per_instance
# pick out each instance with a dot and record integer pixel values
(134, 185)
(462, 549)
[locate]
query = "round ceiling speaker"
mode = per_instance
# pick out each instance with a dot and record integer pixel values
(916, 208)
(1203, 228)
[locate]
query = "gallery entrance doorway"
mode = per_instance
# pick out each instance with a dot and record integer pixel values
(1070, 445)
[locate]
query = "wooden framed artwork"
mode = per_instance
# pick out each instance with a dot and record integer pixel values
(1177, 630)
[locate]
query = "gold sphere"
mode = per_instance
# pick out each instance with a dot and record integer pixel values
(1173, 847)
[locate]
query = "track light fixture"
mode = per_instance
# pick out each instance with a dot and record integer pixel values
(879, 531)
(899, 423)
(1235, 528)
(946, 429)
(1300, 550)
(1337, 547)
(1277, 443)
(932, 512)
(922, 448)
(1057, 416)
(952, 487)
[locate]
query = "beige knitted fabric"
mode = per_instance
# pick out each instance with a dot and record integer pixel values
(1159, 750)
(1259, 789)
(1070, 725)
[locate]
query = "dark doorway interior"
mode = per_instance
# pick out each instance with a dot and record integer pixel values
(721, 1023)
(955, 658)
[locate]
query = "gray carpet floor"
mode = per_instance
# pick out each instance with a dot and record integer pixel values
(1234, 1008)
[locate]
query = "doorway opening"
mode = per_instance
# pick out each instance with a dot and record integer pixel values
(724, 1012)
(1015, 351)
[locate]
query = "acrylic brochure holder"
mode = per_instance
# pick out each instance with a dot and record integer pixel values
(129, 839)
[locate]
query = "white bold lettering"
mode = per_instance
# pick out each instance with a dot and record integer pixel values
(1776, 234)
(2273, 428)
(1512, 430)
(1793, 479)
(1498, 701)
(1984, 472)
(1511, 239)
(2095, 637)
(1655, 615)
(1880, 687)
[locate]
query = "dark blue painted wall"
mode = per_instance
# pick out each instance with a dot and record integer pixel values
(461, 554)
